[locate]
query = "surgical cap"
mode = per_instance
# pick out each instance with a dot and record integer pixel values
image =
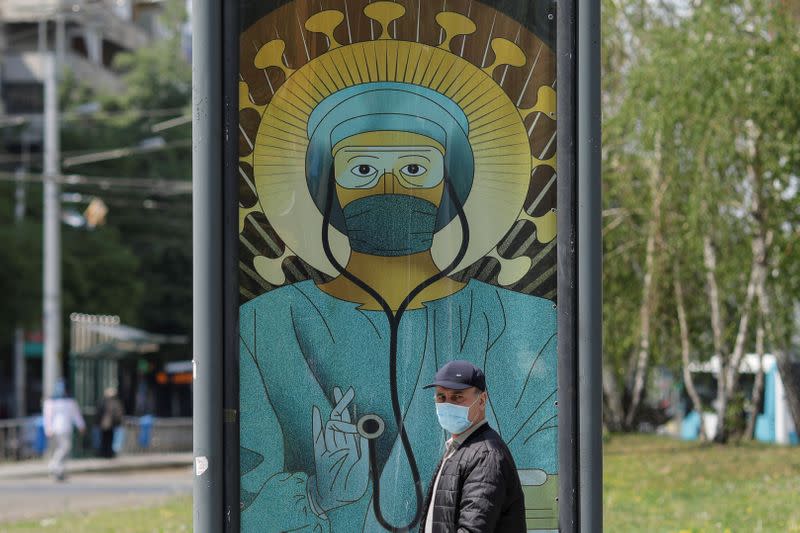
(389, 106)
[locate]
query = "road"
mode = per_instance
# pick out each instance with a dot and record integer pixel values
(41, 497)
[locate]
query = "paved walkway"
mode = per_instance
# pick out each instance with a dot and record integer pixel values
(27, 492)
(38, 468)
(40, 498)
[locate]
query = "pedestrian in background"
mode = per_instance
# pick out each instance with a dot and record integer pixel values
(111, 413)
(61, 414)
(476, 487)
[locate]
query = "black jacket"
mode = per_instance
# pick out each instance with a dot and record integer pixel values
(479, 489)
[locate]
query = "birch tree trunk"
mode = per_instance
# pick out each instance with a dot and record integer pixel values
(643, 353)
(732, 368)
(613, 413)
(710, 263)
(728, 377)
(758, 386)
(758, 264)
(657, 192)
(688, 381)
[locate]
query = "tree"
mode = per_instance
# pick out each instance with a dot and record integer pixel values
(146, 243)
(98, 272)
(699, 164)
(154, 224)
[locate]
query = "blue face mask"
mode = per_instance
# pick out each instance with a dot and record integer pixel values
(454, 418)
(390, 224)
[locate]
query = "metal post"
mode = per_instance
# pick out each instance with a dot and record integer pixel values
(20, 406)
(230, 243)
(60, 44)
(20, 370)
(19, 192)
(207, 264)
(52, 220)
(42, 36)
(588, 142)
(568, 506)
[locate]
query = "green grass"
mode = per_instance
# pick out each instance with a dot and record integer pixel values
(652, 485)
(655, 484)
(172, 516)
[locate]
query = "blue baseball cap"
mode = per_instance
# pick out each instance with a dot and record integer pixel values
(459, 375)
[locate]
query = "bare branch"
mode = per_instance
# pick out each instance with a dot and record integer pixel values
(614, 223)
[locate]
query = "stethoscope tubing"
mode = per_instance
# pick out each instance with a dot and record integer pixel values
(394, 324)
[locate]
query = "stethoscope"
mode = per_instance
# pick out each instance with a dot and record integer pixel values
(372, 426)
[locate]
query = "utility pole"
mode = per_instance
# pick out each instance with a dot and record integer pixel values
(20, 374)
(51, 367)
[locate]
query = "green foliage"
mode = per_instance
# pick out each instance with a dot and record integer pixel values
(20, 284)
(699, 98)
(100, 274)
(735, 417)
(155, 226)
(98, 271)
(138, 265)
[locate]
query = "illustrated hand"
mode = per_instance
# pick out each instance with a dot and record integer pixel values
(340, 456)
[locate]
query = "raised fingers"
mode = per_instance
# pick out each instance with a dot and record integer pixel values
(342, 403)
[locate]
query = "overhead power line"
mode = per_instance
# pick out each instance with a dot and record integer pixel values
(18, 118)
(167, 186)
(172, 123)
(106, 155)
(37, 156)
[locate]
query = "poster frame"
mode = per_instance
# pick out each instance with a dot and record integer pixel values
(215, 43)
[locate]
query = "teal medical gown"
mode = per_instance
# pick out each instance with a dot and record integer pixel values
(298, 343)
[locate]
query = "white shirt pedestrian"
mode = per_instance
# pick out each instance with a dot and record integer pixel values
(61, 414)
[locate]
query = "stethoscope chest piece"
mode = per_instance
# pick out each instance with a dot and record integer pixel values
(370, 426)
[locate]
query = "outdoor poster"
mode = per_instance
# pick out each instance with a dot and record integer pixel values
(397, 196)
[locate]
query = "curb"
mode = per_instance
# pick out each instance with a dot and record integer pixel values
(37, 469)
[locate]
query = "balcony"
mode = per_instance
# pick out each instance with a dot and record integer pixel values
(100, 14)
(28, 67)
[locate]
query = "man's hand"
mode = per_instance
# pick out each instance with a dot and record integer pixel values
(342, 466)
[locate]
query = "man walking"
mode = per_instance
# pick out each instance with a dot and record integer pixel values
(111, 412)
(60, 414)
(476, 488)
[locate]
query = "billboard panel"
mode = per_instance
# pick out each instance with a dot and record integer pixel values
(397, 195)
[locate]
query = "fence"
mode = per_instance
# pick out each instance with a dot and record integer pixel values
(19, 439)
(166, 435)
(23, 438)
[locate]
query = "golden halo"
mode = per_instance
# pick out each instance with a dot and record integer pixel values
(497, 136)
